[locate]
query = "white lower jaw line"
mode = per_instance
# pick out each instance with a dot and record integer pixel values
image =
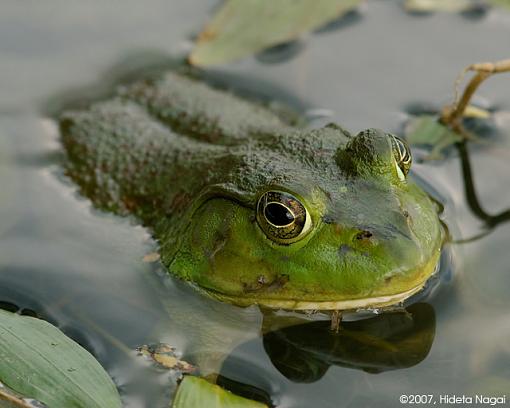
(365, 303)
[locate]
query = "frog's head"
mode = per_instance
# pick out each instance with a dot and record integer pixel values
(314, 220)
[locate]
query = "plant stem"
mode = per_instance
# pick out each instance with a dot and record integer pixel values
(452, 114)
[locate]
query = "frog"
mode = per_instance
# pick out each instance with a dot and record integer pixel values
(249, 206)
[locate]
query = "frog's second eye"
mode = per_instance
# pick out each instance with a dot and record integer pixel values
(402, 154)
(282, 217)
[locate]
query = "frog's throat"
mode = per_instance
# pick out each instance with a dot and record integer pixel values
(354, 304)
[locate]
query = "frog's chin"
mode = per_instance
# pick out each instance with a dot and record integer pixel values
(370, 302)
(353, 304)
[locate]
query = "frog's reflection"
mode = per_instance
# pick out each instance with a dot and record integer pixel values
(390, 341)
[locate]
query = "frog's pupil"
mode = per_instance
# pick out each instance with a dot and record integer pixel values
(277, 214)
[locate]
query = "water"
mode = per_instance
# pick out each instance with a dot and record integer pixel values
(83, 270)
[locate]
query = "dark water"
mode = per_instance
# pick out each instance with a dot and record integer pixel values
(83, 270)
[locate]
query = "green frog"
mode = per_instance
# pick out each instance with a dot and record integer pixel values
(251, 208)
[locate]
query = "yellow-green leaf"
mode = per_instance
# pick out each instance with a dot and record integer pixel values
(427, 6)
(195, 392)
(453, 6)
(39, 361)
(243, 27)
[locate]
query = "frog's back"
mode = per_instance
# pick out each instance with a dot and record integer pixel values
(124, 151)
(194, 109)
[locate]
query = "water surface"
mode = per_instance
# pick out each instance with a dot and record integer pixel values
(83, 269)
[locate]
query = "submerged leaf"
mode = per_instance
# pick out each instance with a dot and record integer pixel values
(243, 27)
(427, 130)
(166, 357)
(41, 362)
(195, 392)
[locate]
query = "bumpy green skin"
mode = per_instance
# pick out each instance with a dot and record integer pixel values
(190, 162)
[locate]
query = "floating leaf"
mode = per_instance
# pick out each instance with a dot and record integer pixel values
(243, 27)
(195, 392)
(11, 399)
(476, 112)
(452, 6)
(429, 6)
(40, 362)
(426, 130)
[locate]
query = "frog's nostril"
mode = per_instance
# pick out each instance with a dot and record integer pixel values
(363, 235)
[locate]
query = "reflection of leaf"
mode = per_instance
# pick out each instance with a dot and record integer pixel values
(426, 130)
(243, 27)
(39, 361)
(194, 392)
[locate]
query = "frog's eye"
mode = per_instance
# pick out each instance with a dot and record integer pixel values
(402, 155)
(282, 217)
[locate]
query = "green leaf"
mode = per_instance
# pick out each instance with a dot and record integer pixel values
(243, 27)
(11, 399)
(40, 362)
(195, 392)
(426, 130)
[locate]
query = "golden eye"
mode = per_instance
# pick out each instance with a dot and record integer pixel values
(402, 154)
(282, 217)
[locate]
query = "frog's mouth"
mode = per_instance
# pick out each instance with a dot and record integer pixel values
(364, 303)
(370, 302)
